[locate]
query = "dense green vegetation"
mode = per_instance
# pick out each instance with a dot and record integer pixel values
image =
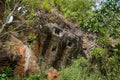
(101, 63)
(105, 20)
(78, 12)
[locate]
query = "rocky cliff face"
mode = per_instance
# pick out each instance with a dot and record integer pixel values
(58, 47)
(53, 46)
(53, 43)
(7, 59)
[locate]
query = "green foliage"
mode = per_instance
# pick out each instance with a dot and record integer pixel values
(106, 63)
(29, 4)
(40, 76)
(77, 10)
(46, 5)
(97, 52)
(36, 76)
(11, 1)
(99, 65)
(32, 3)
(105, 20)
(5, 75)
(79, 70)
(117, 51)
(103, 41)
(32, 37)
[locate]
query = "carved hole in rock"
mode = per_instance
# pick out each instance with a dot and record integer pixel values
(69, 43)
(55, 76)
(54, 48)
(57, 31)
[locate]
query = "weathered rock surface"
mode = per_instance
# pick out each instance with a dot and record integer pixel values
(18, 57)
(28, 62)
(58, 47)
(53, 74)
(7, 59)
(55, 45)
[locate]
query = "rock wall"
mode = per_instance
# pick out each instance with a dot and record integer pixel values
(7, 59)
(54, 46)
(58, 47)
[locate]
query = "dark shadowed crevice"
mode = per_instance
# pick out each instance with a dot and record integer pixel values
(54, 48)
(61, 48)
(46, 44)
(57, 31)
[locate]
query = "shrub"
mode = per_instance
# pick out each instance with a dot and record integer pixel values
(99, 65)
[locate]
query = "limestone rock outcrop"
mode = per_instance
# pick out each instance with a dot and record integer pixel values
(57, 46)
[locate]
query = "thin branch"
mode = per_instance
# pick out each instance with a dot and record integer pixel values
(11, 13)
